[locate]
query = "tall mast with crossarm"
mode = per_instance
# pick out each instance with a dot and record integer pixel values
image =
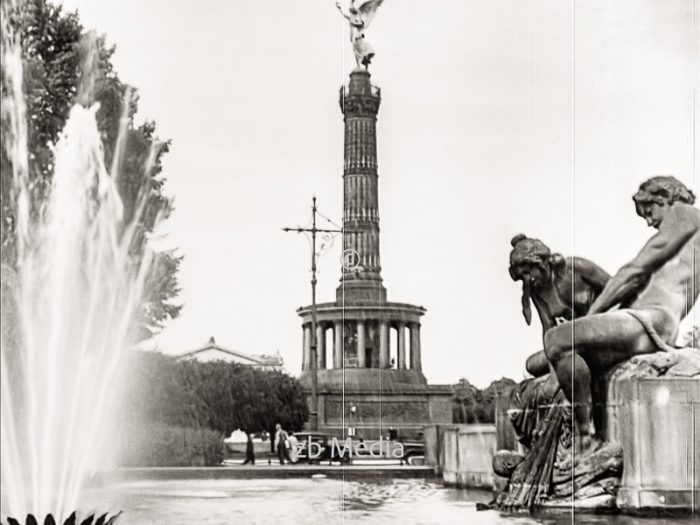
(313, 343)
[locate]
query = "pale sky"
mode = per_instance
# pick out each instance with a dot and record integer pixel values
(494, 120)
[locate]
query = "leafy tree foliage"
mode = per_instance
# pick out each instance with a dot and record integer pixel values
(65, 65)
(217, 395)
(472, 405)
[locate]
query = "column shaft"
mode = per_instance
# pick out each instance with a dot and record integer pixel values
(306, 356)
(415, 347)
(402, 345)
(321, 346)
(383, 344)
(338, 345)
(361, 344)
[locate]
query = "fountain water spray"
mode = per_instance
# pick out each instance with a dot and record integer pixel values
(70, 297)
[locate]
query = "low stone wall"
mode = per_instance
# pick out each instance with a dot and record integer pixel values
(432, 441)
(657, 423)
(467, 454)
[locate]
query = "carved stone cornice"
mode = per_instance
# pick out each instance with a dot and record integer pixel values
(359, 105)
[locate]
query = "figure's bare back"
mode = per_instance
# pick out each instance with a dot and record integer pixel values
(674, 287)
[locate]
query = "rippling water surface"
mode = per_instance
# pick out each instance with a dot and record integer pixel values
(312, 501)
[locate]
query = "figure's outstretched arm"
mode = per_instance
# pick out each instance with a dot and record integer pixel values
(663, 246)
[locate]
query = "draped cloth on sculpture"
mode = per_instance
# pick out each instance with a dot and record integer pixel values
(363, 49)
(538, 419)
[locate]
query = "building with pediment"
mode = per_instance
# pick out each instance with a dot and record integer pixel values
(212, 351)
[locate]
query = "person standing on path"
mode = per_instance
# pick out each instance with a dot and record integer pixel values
(281, 443)
(249, 451)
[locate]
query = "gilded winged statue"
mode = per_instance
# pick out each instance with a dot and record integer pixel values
(359, 15)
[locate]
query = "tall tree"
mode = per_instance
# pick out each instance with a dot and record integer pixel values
(65, 65)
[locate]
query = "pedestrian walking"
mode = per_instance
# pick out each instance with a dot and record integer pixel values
(293, 448)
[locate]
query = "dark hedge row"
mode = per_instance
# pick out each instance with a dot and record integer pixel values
(184, 408)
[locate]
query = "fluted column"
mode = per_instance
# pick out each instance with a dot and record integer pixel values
(401, 327)
(321, 346)
(359, 102)
(306, 360)
(361, 344)
(415, 347)
(338, 345)
(383, 344)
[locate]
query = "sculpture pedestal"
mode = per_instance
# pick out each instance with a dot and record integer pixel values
(467, 455)
(648, 409)
(656, 420)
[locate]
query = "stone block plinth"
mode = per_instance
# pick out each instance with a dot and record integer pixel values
(467, 456)
(657, 422)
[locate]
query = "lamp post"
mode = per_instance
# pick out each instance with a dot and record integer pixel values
(352, 431)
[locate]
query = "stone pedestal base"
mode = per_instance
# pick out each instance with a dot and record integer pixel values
(656, 420)
(384, 401)
(647, 413)
(467, 454)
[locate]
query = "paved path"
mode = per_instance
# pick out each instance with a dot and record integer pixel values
(360, 472)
